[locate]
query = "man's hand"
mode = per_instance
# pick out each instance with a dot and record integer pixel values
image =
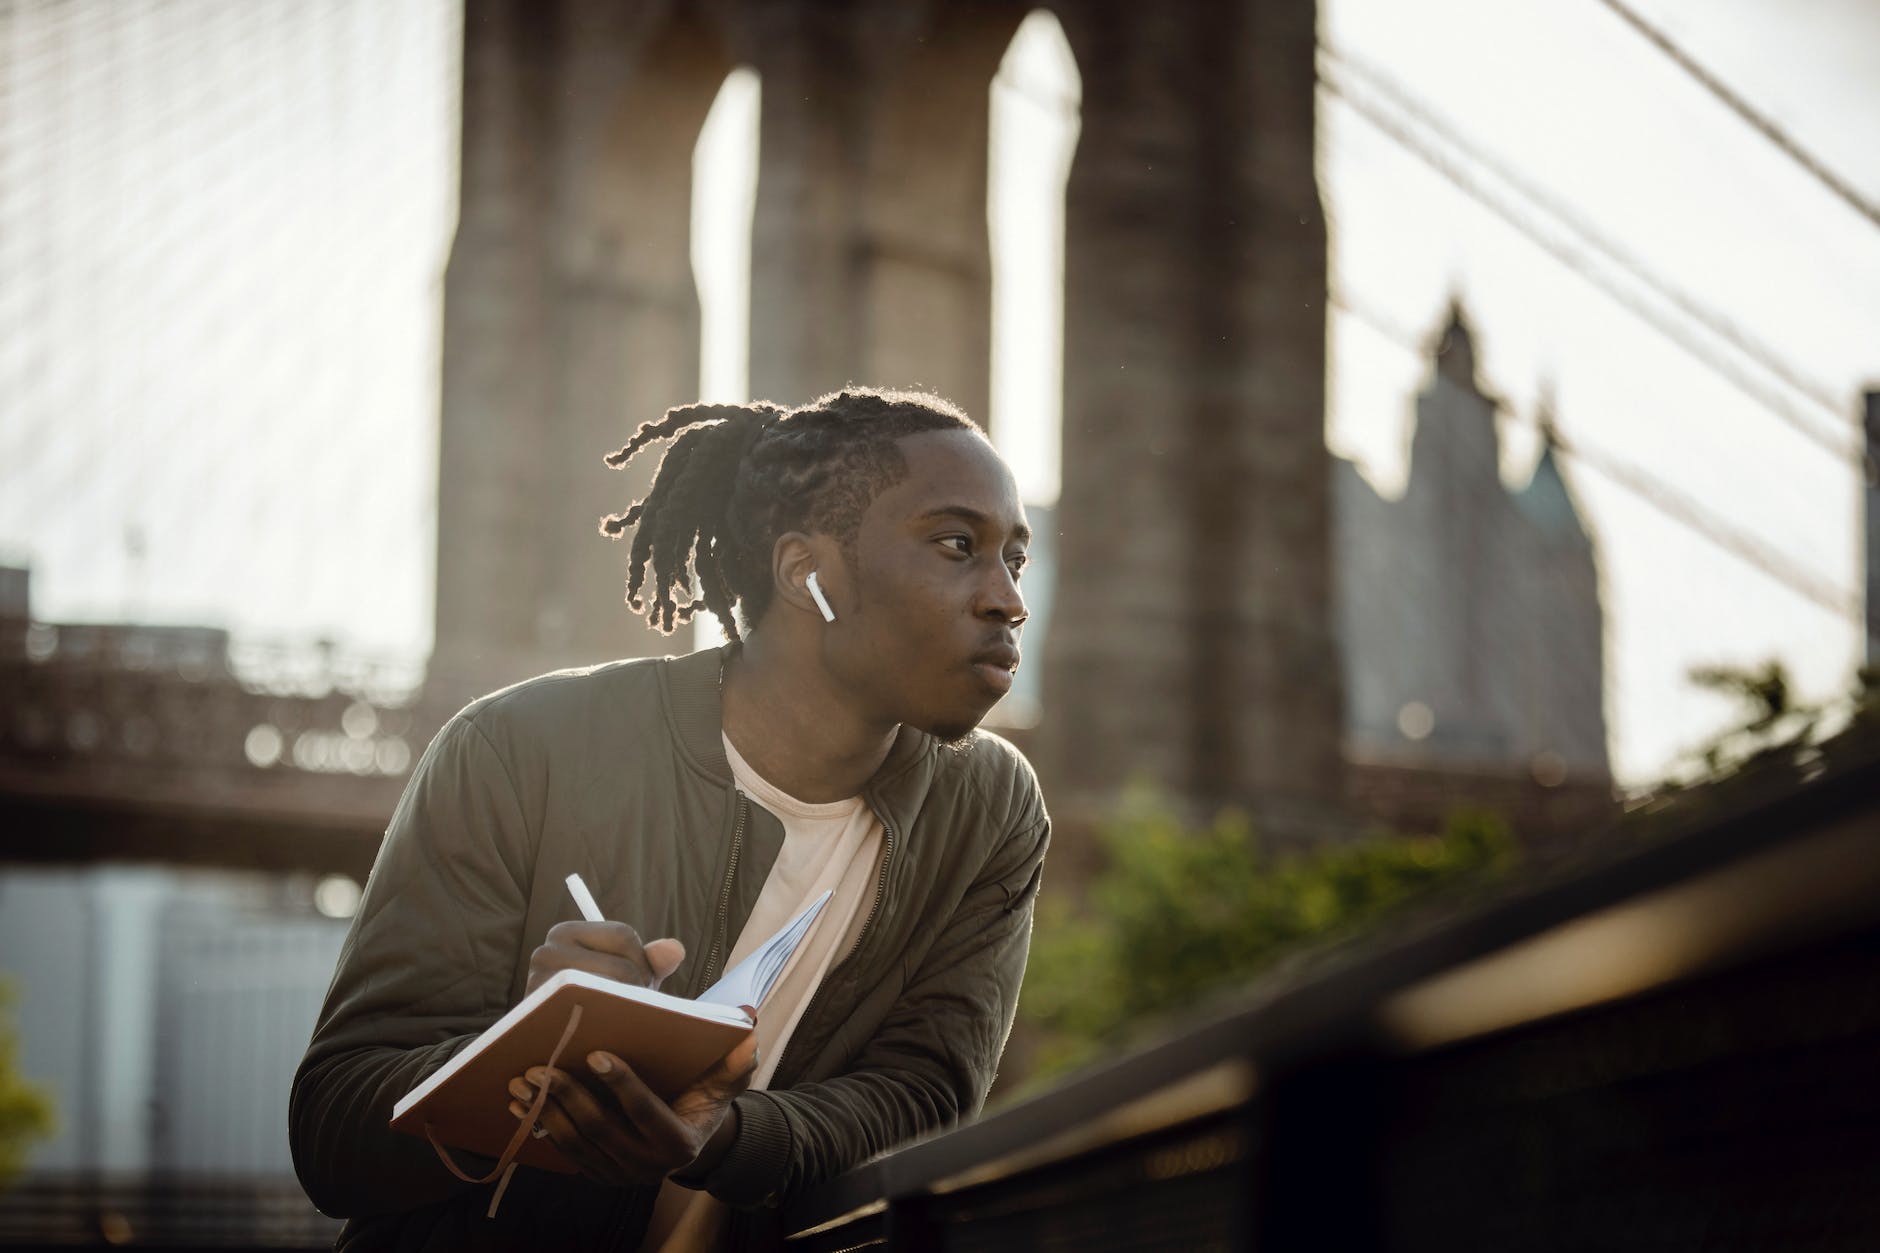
(617, 1132)
(609, 949)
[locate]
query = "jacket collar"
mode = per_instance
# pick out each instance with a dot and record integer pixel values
(695, 697)
(698, 717)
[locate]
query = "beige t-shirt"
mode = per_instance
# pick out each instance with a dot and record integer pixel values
(835, 847)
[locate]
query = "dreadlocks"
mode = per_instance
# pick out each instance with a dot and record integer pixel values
(738, 476)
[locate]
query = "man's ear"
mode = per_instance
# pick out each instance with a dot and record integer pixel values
(792, 560)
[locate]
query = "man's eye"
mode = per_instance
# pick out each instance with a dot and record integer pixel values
(959, 543)
(1016, 563)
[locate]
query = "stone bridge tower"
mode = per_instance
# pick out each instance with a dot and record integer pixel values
(1192, 637)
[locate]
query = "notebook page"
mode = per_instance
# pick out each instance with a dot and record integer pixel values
(750, 981)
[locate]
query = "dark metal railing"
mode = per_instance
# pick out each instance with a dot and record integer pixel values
(1673, 1045)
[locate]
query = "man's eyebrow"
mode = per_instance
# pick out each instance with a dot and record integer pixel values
(966, 513)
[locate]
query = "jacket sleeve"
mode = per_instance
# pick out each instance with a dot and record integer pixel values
(427, 965)
(929, 1064)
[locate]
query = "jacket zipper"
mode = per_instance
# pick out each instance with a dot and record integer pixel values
(723, 923)
(881, 891)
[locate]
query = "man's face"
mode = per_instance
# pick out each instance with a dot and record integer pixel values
(932, 638)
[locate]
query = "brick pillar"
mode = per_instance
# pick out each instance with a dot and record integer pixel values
(570, 317)
(1192, 639)
(926, 277)
(497, 349)
(626, 302)
(870, 252)
(805, 332)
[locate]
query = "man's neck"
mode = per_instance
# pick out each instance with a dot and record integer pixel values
(795, 731)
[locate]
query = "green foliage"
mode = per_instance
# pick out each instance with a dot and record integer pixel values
(1773, 721)
(1177, 913)
(1776, 734)
(25, 1108)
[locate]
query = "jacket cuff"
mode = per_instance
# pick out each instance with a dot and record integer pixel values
(752, 1169)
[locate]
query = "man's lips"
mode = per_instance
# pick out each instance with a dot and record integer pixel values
(996, 666)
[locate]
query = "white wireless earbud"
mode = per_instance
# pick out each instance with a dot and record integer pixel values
(816, 594)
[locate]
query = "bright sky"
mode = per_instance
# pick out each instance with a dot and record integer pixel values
(222, 241)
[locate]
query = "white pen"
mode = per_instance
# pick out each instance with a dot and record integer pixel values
(585, 899)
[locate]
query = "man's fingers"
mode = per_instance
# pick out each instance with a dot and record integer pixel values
(610, 949)
(603, 937)
(548, 961)
(650, 1116)
(638, 1129)
(565, 1132)
(664, 957)
(615, 1129)
(734, 1071)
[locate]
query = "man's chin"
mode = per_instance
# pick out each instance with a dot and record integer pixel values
(952, 731)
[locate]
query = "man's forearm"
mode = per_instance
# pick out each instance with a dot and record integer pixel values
(351, 1163)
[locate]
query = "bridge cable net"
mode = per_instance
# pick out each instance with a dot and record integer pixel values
(222, 238)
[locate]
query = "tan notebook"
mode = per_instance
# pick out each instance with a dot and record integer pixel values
(668, 1040)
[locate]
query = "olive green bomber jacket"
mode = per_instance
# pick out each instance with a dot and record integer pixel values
(618, 772)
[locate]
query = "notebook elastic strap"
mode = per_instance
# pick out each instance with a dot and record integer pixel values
(525, 1126)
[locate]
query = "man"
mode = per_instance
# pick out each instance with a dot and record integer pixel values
(863, 553)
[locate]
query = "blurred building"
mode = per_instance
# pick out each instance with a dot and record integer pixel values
(1469, 614)
(165, 1009)
(183, 831)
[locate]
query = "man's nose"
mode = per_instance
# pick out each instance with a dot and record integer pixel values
(1002, 601)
